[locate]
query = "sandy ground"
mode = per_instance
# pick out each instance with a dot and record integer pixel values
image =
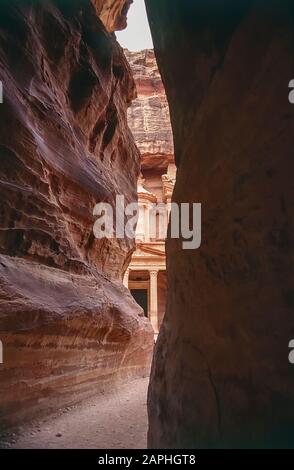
(113, 421)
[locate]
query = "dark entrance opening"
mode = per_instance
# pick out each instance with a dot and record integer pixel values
(141, 297)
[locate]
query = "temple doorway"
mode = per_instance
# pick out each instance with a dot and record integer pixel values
(148, 287)
(141, 297)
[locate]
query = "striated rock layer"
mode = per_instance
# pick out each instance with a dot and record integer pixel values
(221, 375)
(148, 116)
(67, 325)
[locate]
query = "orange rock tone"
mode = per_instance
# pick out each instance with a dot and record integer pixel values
(113, 13)
(221, 375)
(68, 326)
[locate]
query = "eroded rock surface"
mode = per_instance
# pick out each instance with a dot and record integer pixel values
(148, 115)
(67, 325)
(113, 13)
(221, 376)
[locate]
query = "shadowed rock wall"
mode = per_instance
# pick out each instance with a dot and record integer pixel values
(221, 376)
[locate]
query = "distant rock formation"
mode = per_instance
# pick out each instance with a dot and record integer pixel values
(148, 116)
(68, 326)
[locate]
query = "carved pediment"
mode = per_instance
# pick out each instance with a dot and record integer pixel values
(147, 250)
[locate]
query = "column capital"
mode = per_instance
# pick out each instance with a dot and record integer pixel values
(154, 272)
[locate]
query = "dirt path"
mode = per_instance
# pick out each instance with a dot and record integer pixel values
(114, 421)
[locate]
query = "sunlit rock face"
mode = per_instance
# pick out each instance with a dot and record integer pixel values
(113, 13)
(148, 115)
(67, 325)
(221, 375)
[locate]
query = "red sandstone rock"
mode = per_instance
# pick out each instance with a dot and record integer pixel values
(67, 325)
(66, 336)
(221, 376)
(148, 116)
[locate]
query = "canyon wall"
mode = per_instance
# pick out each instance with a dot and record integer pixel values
(148, 116)
(221, 375)
(68, 326)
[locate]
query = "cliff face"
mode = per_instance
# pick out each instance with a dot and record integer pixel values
(221, 376)
(148, 116)
(67, 325)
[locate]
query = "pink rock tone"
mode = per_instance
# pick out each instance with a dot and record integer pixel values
(221, 375)
(68, 326)
(66, 336)
(148, 116)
